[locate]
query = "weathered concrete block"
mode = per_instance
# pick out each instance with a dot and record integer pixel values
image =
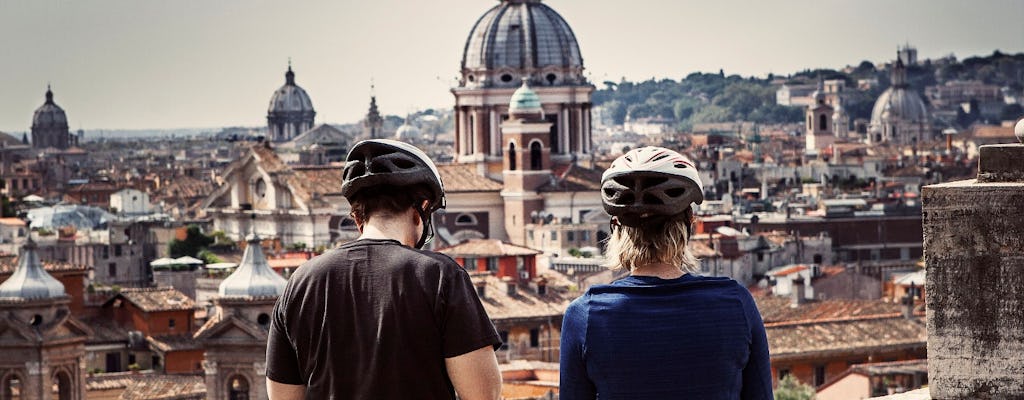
(974, 251)
(1001, 163)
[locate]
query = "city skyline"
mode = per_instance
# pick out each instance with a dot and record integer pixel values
(120, 65)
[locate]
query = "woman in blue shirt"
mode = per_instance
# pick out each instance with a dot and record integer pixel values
(662, 332)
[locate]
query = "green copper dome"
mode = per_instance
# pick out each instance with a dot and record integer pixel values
(524, 100)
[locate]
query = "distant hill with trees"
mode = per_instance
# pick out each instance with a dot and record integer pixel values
(715, 97)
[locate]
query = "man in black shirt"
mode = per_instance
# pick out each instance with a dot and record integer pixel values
(378, 318)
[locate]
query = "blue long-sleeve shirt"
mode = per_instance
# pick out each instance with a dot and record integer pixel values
(644, 337)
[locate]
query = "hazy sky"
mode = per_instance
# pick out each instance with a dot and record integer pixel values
(197, 63)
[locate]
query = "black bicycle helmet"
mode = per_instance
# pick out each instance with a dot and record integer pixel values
(389, 162)
(650, 183)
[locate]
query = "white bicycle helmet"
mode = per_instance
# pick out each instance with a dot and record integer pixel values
(648, 184)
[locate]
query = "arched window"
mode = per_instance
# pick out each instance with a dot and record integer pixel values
(511, 156)
(536, 163)
(810, 125)
(238, 388)
(62, 385)
(465, 219)
(822, 122)
(11, 389)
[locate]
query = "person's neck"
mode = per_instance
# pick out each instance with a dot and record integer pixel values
(379, 228)
(660, 270)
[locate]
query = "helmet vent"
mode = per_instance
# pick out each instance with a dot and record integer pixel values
(654, 181)
(404, 164)
(680, 165)
(357, 169)
(660, 157)
(652, 199)
(609, 193)
(675, 192)
(379, 168)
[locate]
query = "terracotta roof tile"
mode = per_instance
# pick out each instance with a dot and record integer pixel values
(487, 248)
(844, 336)
(778, 309)
(113, 380)
(167, 343)
(464, 178)
(525, 304)
(322, 180)
(185, 187)
(574, 178)
(8, 266)
(157, 299)
(166, 387)
(105, 330)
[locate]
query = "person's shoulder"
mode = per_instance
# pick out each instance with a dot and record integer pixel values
(581, 305)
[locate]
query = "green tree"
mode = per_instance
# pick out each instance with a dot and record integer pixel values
(194, 241)
(791, 389)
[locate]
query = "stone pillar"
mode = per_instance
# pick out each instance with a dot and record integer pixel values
(973, 244)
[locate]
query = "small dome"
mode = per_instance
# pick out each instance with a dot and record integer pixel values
(30, 281)
(407, 132)
(524, 99)
(254, 277)
(49, 115)
(290, 97)
(517, 36)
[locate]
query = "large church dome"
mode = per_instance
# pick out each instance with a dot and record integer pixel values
(49, 115)
(290, 97)
(902, 102)
(517, 38)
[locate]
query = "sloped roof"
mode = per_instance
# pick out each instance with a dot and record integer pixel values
(186, 187)
(322, 133)
(779, 309)
(573, 178)
(156, 299)
(487, 248)
(525, 303)
(166, 343)
(323, 180)
(167, 387)
(105, 330)
(842, 336)
(464, 178)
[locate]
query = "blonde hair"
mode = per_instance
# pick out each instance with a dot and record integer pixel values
(630, 247)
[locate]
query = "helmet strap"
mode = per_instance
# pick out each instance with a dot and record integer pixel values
(428, 227)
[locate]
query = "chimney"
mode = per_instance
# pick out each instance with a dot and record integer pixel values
(908, 303)
(798, 292)
(542, 286)
(481, 288)
(510, 285)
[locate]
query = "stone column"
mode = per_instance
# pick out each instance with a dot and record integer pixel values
(974, 251)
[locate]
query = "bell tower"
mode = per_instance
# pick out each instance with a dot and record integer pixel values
(527, 161)
(819, 122)
(235, 338)
(43, 346)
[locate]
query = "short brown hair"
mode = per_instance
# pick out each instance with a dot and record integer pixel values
(386, 201)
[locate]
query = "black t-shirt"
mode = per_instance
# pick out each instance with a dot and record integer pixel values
(375, 319)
